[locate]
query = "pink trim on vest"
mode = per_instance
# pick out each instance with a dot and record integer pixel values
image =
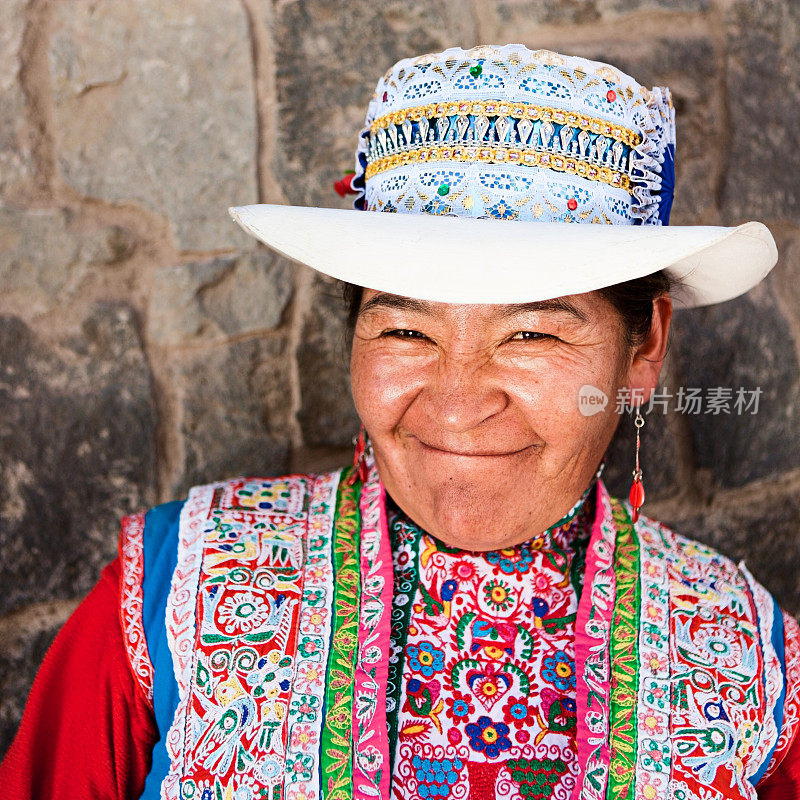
(592, 652)
(371, 776)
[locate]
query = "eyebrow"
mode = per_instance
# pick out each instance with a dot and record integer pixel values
(558, 304)
(384, 300)
(555, 304)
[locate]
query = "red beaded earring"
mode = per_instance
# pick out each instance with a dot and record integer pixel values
(636, 494)
(359, 458)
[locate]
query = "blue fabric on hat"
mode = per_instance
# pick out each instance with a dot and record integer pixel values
(667, 192)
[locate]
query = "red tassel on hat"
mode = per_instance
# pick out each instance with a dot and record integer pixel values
(344, 186)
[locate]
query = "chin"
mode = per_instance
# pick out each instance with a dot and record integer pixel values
(466, 517)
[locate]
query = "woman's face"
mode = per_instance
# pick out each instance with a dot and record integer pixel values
(473, 410)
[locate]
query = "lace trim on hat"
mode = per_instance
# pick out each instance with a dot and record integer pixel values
(652, 167)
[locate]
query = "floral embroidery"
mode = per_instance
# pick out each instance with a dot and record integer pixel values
(560, 671)
(488, 737)
(425, 659)
(498, 595)
(243, 612)
(512, 560)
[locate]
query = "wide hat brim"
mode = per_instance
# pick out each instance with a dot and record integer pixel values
(467, 260)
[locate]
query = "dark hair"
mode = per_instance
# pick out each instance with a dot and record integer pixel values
(632, 299)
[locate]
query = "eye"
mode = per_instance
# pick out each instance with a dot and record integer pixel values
(523, 336)
(404, 333)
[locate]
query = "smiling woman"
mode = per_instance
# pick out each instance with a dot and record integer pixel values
(464, 611)
(463, 401)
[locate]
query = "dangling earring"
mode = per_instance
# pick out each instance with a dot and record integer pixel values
(636, 494)
(359, 471)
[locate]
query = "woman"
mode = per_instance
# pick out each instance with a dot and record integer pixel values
(465, 612)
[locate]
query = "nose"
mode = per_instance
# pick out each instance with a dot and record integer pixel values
(462, 395)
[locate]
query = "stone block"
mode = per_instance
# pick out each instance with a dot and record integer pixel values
(16, 164)
(77, 452)
(533, 23)
(329, 56)
(628, 6)
(155, 105)
(327, 415)
(744, 344)
(230, 295)
(763, 85)
(509, 14)
(46, 260)
(234, 411)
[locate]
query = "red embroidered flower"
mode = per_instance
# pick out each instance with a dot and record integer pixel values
(519, 712)
(464, 570)
(460, 708)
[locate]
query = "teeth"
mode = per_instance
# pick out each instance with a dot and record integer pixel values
(566, 136)
(600, 147)
(392, 134)
(616, 152)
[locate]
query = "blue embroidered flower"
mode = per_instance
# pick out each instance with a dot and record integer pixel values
(425, 659)
(559, 669)
(487, 737)
(460, 708)
(512, 559)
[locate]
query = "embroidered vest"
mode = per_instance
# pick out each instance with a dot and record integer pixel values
(278, 624)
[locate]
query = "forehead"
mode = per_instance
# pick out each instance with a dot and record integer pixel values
(579, 307)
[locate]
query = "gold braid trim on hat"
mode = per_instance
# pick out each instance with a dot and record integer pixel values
(504, 108)
(523, 156)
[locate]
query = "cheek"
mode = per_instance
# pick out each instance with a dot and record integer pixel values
(382, 385)
(550, 395)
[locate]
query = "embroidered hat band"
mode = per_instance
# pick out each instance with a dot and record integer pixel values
(511, 133)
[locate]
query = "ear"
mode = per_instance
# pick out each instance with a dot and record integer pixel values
(648, 357)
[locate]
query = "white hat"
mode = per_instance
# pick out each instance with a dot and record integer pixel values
(486, 156)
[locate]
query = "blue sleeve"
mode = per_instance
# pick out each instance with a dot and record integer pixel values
(780, 650)
(160, 559)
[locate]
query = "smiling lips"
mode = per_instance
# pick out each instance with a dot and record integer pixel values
(471, 453)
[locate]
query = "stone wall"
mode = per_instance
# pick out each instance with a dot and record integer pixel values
(146, 344)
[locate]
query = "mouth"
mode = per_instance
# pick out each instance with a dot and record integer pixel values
(477, 453)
